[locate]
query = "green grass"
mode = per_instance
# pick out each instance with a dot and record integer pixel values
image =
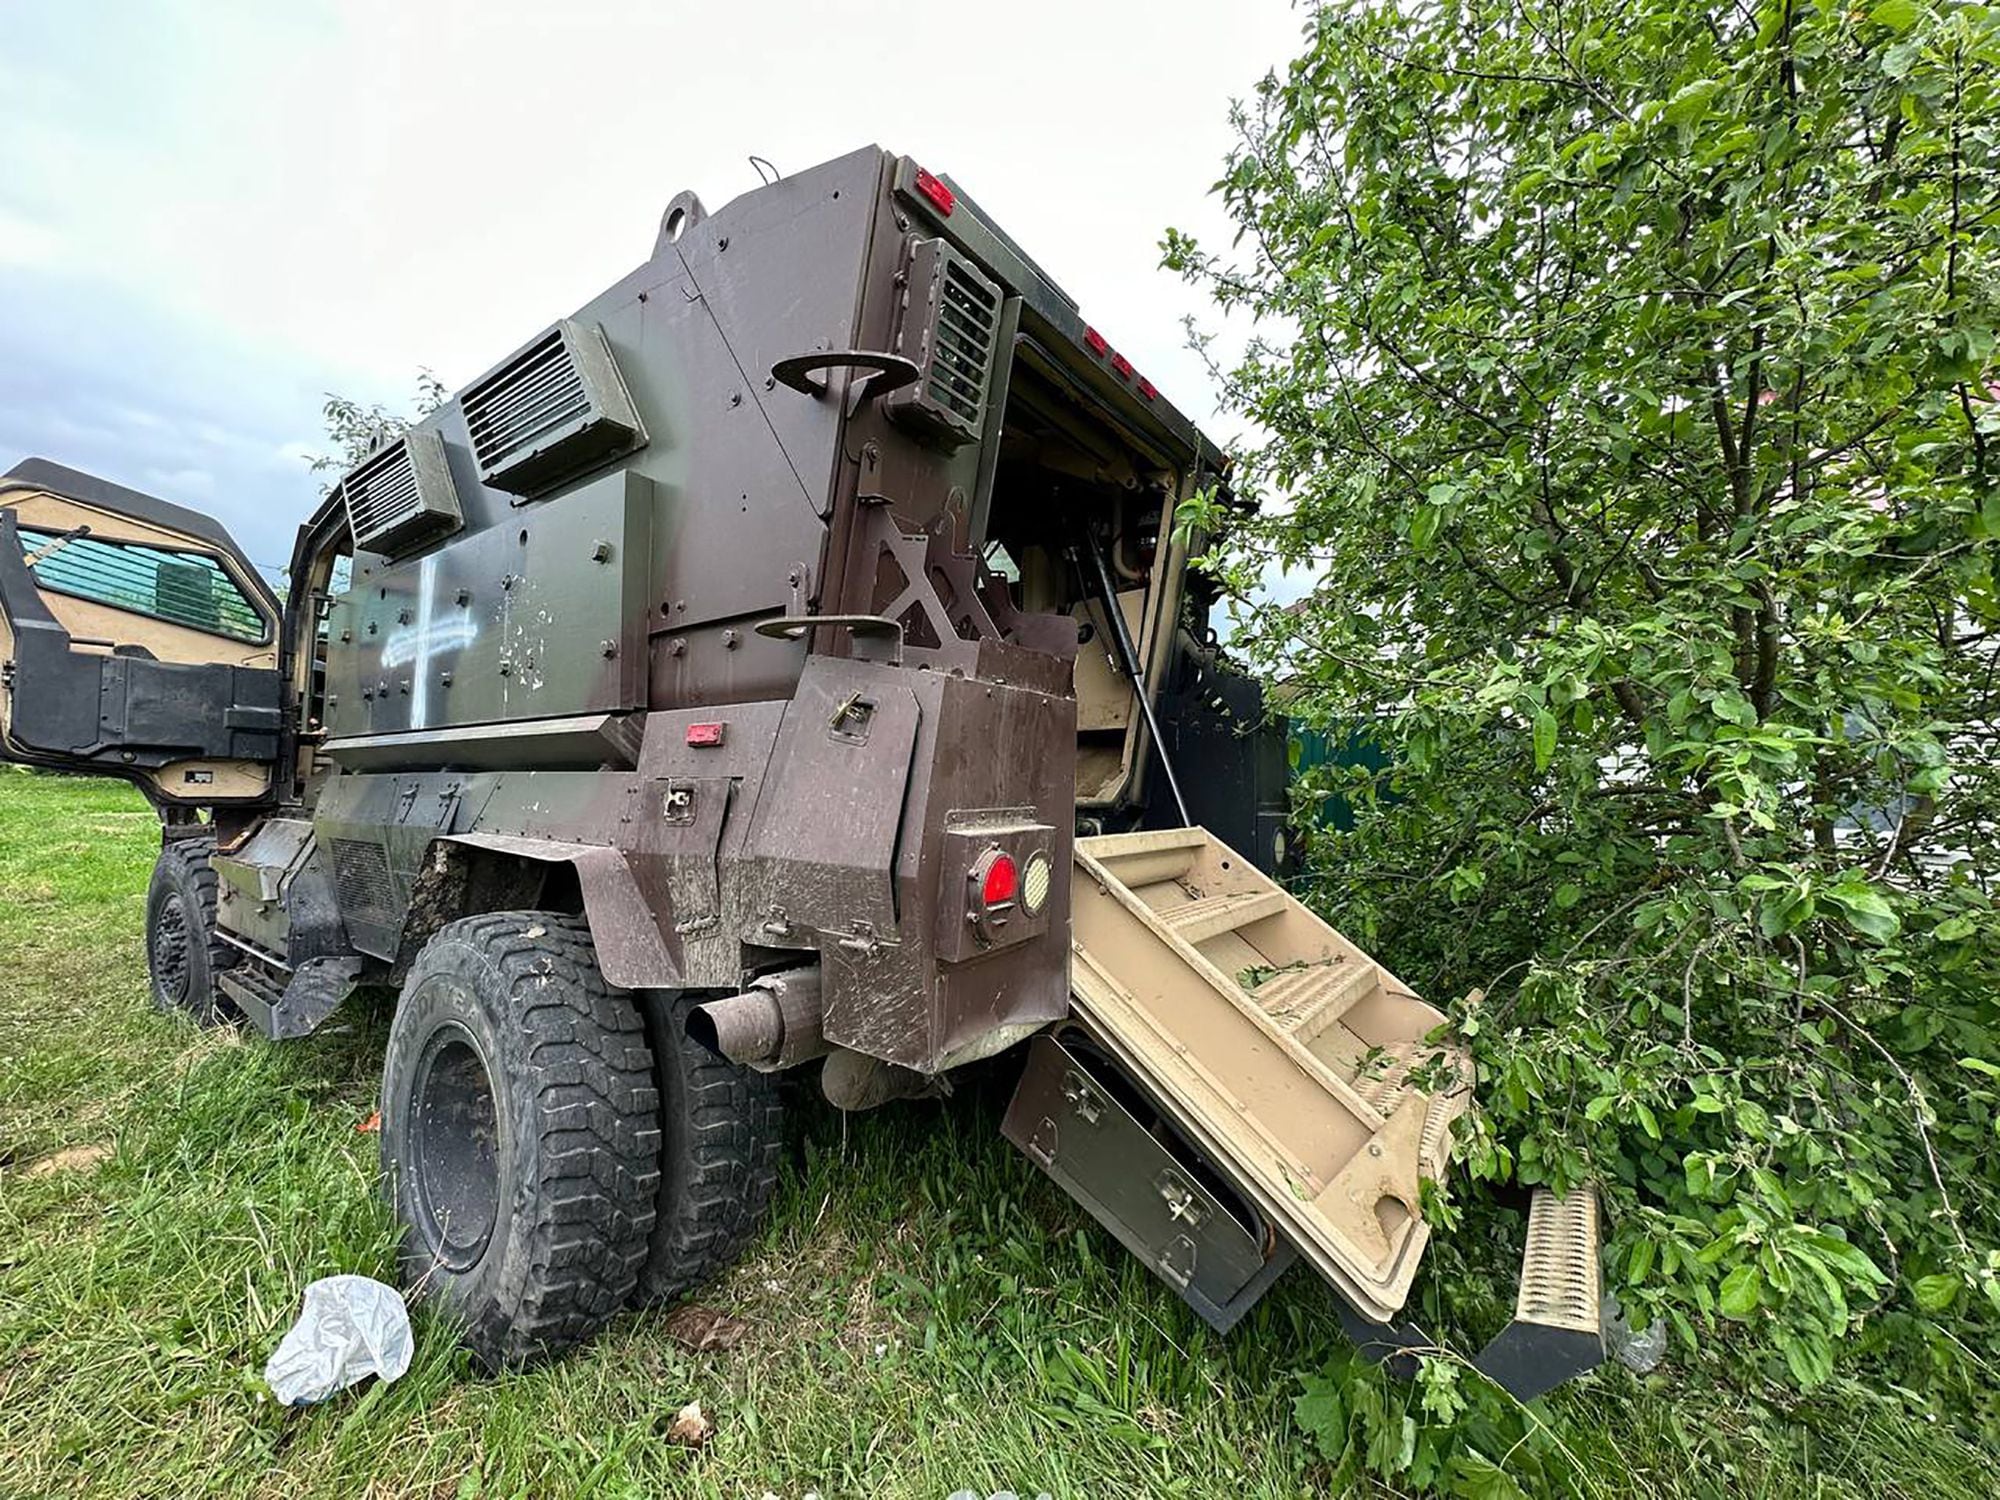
(927, 1313)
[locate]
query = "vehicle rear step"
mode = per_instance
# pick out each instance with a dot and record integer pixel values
(1275, 1049)
(1211, 916)
(1557, 1331)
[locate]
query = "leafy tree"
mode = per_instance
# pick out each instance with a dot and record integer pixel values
(1627, 386)
(357, 428)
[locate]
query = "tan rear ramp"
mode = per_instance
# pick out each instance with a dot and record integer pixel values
(1284, 1051)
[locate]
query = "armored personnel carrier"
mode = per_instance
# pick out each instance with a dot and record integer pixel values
(787, 660)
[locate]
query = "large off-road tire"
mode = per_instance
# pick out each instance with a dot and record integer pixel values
(721, 1133)
(183, 953)
(520, 1134)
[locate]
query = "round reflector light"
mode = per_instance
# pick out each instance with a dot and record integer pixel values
(1002, 881)
(1035, 884)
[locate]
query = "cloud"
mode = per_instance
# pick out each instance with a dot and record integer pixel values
(100, 379)
(23, 243)
(216, 211)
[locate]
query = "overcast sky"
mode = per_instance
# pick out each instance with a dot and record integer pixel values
(212, 213)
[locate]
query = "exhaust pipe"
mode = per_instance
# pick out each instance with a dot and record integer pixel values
(770, 1026)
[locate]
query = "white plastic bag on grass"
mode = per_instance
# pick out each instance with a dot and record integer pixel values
(352, 1327)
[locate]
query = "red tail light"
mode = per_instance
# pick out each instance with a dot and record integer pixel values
(942, 198)
(1002, 881)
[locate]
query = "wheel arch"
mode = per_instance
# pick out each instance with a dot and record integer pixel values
(464, 874)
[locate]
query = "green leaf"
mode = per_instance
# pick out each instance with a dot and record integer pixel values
(1741, 1290)
(1897, 15)
(1955, 929)
(1475, 1477)
(1639, 1262)
(1392, 1443)
(1936, 1293)
(1567, 895)
(1866, 910)
(1784, 913)
(1691, 102)
(1902, 57)
(1734, 708)
(1424, 528)
(1321, 1412)
(1848, 1258)
(1545, 738)
(1808, 1356)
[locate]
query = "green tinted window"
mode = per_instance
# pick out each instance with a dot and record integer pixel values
(182, 588)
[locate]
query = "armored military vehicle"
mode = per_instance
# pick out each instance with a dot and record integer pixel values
(786, 660)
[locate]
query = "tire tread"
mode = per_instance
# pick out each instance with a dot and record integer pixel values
(589, 1075)
(727, 1139)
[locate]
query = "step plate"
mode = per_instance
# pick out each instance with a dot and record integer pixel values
(1556, 1333)
(1329, 1136)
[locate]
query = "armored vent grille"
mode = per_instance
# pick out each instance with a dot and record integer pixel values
(557, 407)
(968, 318)
(950, 327)
(540, 392)
(361, 879)
(401, 496)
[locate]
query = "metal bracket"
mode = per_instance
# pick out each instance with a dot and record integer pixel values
(889, 372)
(682, 213)
(1042, 1145)
(867, 630)
(860, 939)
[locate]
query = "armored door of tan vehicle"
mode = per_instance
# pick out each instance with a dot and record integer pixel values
(136, 641)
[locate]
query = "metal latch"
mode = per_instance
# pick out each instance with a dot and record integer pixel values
(1184, 1205)
(853, 706)
(1084, 1099)
(677, 806)
(861, 939)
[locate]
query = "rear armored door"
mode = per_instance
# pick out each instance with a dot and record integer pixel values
(135, 641)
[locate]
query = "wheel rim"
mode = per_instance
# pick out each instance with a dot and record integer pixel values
(455, 1164)
(170, 952)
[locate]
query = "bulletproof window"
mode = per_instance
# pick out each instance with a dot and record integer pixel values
(181, 588)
